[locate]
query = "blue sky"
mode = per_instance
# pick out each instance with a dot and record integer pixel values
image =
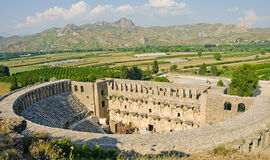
(23, 17)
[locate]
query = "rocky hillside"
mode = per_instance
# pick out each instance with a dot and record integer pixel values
(124, 33)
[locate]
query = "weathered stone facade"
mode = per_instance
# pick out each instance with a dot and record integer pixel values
(157, 106)
(248, 131)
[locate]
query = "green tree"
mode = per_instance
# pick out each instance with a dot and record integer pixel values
(217, 56)
(214, 70)
(124, 72)
(4, 71)
(262, 52)
(173, 68)
(14, 83)
(199, 54)
(155, 67)
(135, 73)
(220, 83)
(244, 80)
(202, 69)
(147, 72)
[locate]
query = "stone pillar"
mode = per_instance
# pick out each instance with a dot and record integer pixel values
(40, 94)
(23, 105)
(65, 87)
(54, 89)
(44, 92)
(26, 101)
(34, 97)
(194, 93)
(30, 98)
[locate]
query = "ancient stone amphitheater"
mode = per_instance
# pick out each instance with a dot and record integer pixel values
(143, 117)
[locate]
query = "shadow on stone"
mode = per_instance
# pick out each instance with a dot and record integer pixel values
(109, 143)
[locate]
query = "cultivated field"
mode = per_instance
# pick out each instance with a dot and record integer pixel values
(189, 65)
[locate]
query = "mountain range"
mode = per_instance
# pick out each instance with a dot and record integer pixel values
(124, 33)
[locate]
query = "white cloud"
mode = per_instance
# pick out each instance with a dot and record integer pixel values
(166, 8)
(99, 9)
(235, 9)
(124, 8)
(250, 17)
(76, 10)
(82, 13)
(166, 3)
(55, 13)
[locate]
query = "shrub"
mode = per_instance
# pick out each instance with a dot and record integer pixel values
(202, 69)
(83, 152)
(161, 79)
(217, 56)
(220, 83)
(46, 150)
(11, 154)
(223, 151)
(199, 54)
(256, 57)
(214, 70)
(173, 68)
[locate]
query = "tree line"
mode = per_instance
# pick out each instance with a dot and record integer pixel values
(82, 74)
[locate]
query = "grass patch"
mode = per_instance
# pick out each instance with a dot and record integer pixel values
(4, 88)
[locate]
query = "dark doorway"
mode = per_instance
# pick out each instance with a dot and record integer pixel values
(150, 127)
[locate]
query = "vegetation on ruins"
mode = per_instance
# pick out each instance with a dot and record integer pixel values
(41, 146)
(244, 80)
(155, 67)
(161, 79)
(4, 71)
(220, 83)
(217, 56)
(202, 69)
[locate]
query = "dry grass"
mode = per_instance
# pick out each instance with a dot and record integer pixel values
(4, 88)
(219, 153)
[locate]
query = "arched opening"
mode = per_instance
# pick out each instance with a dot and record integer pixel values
(241, 107)
(150, 110)
(227, 106)
(102, 92)
(76, 88)
(178, 114)
(82, 89)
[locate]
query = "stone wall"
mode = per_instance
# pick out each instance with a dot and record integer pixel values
(217, 107)
(85, 92)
